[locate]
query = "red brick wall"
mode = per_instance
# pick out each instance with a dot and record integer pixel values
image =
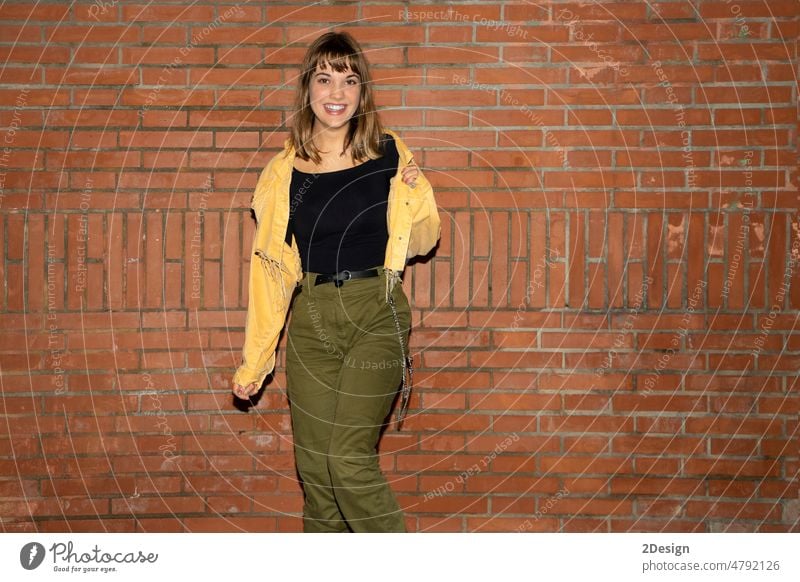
(642, 375)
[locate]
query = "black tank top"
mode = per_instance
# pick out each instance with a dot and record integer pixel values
(339, 218)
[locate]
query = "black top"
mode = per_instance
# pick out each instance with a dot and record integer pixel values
(339, 218)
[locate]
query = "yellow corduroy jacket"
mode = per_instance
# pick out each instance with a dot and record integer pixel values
(275, 267)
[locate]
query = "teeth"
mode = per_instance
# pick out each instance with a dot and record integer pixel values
(335, 107)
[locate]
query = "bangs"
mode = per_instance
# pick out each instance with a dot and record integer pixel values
(338, 61)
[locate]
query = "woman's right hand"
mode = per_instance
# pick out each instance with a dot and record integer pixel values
(245, 392)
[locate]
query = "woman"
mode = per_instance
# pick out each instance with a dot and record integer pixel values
(339, 213)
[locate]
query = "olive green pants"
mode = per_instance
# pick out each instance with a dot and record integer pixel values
(344, 369)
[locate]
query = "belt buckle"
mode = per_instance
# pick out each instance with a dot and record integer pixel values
(340, 281)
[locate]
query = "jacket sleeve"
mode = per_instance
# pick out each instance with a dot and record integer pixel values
(425, 222)
(259, 195)
(258, 359)
(270, 286)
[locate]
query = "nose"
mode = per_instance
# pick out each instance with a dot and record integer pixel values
(337, 89)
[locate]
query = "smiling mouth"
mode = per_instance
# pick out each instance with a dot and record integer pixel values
(334, 109)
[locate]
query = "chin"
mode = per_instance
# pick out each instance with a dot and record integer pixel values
(334, 122)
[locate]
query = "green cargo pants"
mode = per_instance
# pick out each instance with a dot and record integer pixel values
(343, 369)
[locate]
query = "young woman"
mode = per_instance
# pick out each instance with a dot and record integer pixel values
(339, 212)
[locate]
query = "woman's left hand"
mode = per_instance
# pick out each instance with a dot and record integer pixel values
(410, 173)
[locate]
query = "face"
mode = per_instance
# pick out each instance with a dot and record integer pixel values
(334, 96)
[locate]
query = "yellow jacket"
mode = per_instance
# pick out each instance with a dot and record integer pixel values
(275, 267)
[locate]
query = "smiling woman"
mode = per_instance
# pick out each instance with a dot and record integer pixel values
(334, 106)
(334, 218)
(334, 98)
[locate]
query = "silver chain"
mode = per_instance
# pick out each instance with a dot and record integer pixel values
(407, 364)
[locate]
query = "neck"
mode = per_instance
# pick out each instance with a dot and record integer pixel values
(330, 139)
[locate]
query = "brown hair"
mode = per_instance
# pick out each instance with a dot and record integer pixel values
(339, 50)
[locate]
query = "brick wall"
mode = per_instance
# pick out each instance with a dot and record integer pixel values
(605, 340)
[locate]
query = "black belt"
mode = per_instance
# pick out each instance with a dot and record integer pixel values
(342, 276)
